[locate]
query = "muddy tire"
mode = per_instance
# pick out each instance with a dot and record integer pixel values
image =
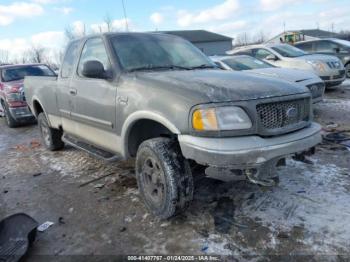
(164, 177)
(347, 70)
(10, 121)
(51, 137)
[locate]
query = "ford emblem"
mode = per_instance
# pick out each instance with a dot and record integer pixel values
(292, 112)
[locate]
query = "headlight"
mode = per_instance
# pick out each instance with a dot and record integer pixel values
(220, 119)
(317, 65)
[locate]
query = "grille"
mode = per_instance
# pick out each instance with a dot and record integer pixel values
(316, 89)
(334, 65)
(284, 114)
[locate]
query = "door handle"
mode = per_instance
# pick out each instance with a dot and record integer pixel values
(73, 92)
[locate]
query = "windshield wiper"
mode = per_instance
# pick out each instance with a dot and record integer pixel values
(150, 67)
(204, 66)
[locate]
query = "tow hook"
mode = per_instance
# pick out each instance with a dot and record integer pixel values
(265, 174)
(253, 178)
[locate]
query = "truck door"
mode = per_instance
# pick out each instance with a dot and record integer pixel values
(64, 93)
(94, 111)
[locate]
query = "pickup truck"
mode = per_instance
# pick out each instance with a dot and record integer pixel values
(159, 99)
(12, 99)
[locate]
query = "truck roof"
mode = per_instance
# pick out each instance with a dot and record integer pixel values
(109, 34)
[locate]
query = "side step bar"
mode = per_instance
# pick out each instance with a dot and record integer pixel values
(93, 150)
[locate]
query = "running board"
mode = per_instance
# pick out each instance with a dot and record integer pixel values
(93, 150)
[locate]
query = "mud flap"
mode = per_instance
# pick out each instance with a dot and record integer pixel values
(17, 233)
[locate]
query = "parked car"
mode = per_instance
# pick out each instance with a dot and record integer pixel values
(328, 68)
(331, 46)
(256, 66)
(12, 98)
(156, 97)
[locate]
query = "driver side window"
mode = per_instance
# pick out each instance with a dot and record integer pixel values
(261, 53)
(94, 49)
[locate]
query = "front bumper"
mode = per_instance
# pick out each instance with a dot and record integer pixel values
(334, 78)
(21, 113)
(249, 151)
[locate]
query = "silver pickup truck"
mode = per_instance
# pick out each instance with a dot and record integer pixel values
(157, 98)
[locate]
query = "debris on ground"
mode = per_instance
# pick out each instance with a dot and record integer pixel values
(43, 227)
(61, 221)
(17, 234)
(37, 174)
(99, 186)
(96, 179)
(35, 144)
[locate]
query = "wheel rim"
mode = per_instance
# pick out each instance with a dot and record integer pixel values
(45, 133)
(153, 180)
(348, 70)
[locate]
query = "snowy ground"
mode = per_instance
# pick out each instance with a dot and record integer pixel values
(307, 216)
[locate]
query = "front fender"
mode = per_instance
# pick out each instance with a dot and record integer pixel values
(144, 115)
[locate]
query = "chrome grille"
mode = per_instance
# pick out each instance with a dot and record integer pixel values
(334, 64)
(284, 114)
(316, 89)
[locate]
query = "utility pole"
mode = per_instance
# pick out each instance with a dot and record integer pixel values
(125, 17)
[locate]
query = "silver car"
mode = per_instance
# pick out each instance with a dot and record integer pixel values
(256, 66)
(329, 68)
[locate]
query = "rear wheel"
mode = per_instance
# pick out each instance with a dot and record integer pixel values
(164, 177)
(51, 137)
(10, 121)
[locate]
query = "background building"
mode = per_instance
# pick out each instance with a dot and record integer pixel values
(209, 43)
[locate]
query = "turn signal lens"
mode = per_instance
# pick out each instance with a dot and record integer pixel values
(205, 120)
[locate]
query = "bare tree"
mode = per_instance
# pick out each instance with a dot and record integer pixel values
(36, 54)
(242, 39)
(259, 38)
(109, 23)
(72, 33)
(4, 56)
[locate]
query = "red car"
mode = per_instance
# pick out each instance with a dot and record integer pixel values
(12, 98)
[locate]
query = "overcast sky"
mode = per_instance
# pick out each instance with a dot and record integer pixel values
(42, 22)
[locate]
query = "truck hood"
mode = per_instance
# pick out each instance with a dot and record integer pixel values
(219, 85)
(287, 74)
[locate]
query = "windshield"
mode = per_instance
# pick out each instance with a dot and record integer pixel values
(19, 73)
(245, 63)
(156, 51)
(342, 42)
(289, 51)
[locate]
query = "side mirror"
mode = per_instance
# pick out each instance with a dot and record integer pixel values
(94, 69)
(271, 57)
(336, 50)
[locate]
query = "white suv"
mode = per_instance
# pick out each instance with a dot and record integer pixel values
(329, 68)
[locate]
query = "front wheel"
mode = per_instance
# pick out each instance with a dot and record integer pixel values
(347, 70)
(51, 137)
(164, 177)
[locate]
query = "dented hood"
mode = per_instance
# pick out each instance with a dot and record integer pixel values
(219, 85)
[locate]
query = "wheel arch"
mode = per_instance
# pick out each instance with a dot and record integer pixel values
(152, 125)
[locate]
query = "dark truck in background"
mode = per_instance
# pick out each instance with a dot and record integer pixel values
(12, 97)
(157, 98)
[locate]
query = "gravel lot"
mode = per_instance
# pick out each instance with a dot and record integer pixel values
(307, 214)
